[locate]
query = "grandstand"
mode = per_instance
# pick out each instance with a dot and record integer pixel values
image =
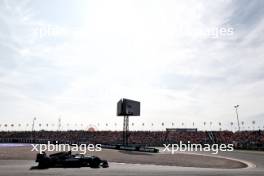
(241, 139)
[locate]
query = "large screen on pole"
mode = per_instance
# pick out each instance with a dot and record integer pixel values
(126, 107)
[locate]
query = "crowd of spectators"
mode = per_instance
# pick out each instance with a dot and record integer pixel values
(150, 138)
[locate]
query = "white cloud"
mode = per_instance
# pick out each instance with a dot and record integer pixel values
(157, 52)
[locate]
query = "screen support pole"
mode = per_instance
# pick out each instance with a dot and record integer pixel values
(125, 130)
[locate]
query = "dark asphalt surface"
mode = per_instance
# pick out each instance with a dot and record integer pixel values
(22, 167)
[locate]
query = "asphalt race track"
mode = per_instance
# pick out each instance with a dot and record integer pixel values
(255, 160)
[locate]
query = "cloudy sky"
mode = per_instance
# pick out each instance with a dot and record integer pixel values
(186, 61)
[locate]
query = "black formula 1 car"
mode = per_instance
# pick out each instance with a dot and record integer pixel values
(68, 160)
